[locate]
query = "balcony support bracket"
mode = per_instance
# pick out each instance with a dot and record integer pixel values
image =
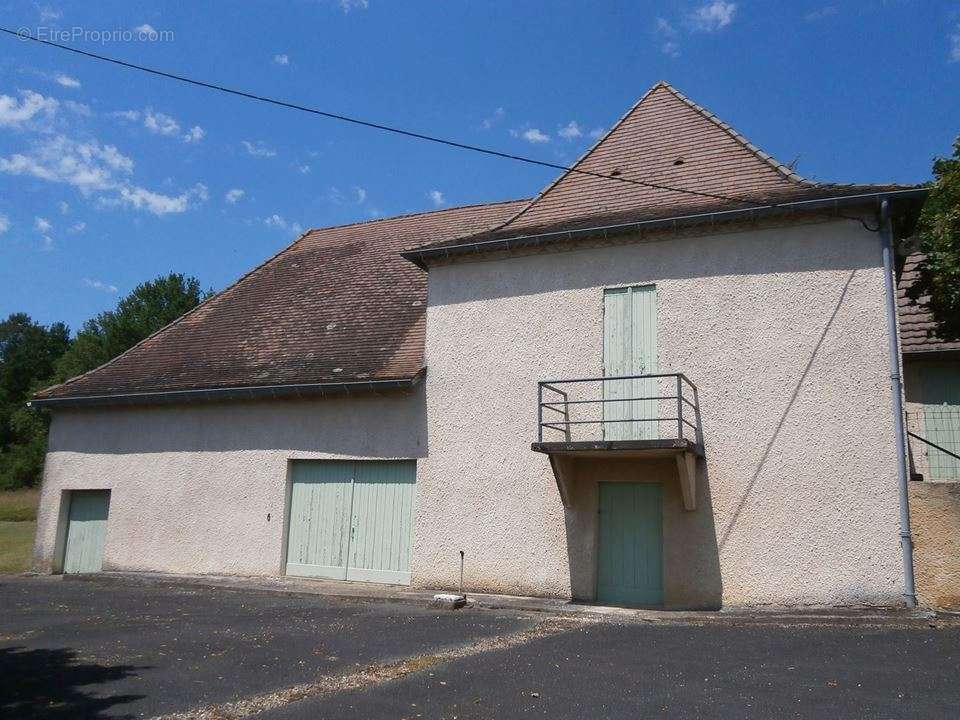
(687, 472)
(564, 470)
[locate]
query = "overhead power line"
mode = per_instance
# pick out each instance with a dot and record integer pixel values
(24, 35)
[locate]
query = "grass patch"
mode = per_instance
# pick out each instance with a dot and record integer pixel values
(17, 505)
(16, 544)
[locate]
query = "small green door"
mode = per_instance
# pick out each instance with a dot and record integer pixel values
(940, 385)
(86, 531)
(351, 520)
(630, 564)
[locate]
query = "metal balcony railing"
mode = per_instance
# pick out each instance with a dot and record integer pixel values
(662, 406)
(934, 442)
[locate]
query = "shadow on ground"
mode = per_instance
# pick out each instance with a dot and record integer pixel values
(57, 683)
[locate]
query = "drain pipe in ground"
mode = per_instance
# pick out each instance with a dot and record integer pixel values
(896, 388)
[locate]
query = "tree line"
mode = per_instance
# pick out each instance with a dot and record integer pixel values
(35, 356)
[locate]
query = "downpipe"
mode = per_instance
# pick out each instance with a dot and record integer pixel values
(896, 390)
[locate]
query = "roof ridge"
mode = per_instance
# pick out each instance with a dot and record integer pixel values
(784, 170)
(402, 216)
(222, 293)
(173, 322)
(583, 156)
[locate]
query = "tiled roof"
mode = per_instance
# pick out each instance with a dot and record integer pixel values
(668, 141)
(914, 321)
(338, 305)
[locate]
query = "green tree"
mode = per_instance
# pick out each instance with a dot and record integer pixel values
(148, 308)
(28, 353)
(938, 286)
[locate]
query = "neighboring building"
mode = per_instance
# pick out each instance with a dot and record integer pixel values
(931, 370)
(380, 396)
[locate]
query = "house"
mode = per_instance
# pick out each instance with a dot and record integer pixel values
(662, 381)
(931, 371)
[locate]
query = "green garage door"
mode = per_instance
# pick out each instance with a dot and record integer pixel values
(86, 531)
(352, 520)
(630, 566)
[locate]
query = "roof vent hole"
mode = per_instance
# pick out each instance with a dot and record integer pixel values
(679, 161)
(615, 173)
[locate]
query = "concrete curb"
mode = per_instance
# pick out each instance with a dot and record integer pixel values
(368, 592)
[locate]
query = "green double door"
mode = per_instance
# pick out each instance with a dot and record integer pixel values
(86, 531)
(630, 348)
(630, 563)
(352, 520)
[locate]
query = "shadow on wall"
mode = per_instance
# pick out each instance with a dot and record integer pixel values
(782, 250)
(385, 426)
(741, 502)
(46, 683)
(691, 559)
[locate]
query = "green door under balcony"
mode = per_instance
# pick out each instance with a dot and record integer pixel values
(630, 348)
(630, 562)
(86, 531)
(351, 520)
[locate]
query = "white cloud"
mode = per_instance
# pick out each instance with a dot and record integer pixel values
(570, 131)
(361, 194)
(77, 227)
(159, 123)
(304, 169)
(194, 134)
(334, 195)
(131, 115)
(48, 13)
(87, 166)
(153, 202)
(258, 149)
(66, 81)
(495, 118)
(4, 223)
(955, 45)
(436, 197)
(233, 195)
(32, 106)
(669, 37)
(533, 135)
(821, 13)
(277, 221)
(147, 31)
(713, 16)
(42, 225)
(281, 59)
(99, 285)
(78, 108)
(596, 133)
(348, 5)
(64, 207)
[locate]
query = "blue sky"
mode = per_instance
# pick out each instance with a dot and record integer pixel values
(109, 177)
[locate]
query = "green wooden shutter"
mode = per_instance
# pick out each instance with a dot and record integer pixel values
(630, 565)
(940, 385)
(630, 348)
(86, 531)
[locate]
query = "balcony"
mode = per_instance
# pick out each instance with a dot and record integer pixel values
(635, 417)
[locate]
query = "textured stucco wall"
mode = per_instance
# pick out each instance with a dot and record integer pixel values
(935, 522)
(192, 485)
(783, 331)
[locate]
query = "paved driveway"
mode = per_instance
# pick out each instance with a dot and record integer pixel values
(85, 650)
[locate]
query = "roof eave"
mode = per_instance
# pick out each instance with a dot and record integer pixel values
(256, 392)
(421, 257)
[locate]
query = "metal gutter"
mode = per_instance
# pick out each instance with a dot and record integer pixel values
(258, 392)
(421, 256)
(896, 391)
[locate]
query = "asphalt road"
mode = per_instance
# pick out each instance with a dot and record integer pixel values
(84, 650)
